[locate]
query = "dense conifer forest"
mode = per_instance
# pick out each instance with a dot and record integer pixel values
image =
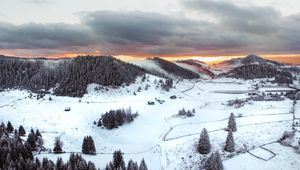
(68, 77)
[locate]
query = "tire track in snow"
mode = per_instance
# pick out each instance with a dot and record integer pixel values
(220, 129)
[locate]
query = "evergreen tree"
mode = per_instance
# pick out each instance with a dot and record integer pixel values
(131, 165)
(31, 140)
(88, 146)
(229, 145)
(9, 128)
(91, 166)
(204, 146)
(118, 160)
(231, 123)
(109, 166)
(143, 165)
(37, 133)
(214, 162)
(22, 131)
(57, 145)
(60, 164)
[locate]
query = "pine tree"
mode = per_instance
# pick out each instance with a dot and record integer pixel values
(91, 166)
(204, 146)
(38, 133)
(9, 128)
(31, 140)
(88, 146)
(231, 123)
(214, 162)
(109, 166)
(143, 165)
(59, 164)
(22, 131)
(130, 165)
(57, 145)
(118, 160)
(229, 145)
(218, 160)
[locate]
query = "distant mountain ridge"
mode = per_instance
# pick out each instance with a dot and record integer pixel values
(199, 67)
(250, 59)
(166, 69)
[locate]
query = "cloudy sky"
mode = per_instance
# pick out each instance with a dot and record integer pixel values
(135, 28)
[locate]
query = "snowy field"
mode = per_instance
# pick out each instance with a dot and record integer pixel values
(164, 140)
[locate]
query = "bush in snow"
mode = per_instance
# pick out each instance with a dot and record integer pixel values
(187, 113)
(231, 123)
(58, 145)
(286, 138)
(204, 146)
(229, 144)
(237, 103)
(214, 162)
(88, 146)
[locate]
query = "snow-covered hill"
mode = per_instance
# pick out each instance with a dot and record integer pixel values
(228, 65)
(164, 139)
(167, 69)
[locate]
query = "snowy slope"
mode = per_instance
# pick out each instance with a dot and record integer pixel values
(165, 140)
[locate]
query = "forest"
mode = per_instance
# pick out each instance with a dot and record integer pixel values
(68, 77)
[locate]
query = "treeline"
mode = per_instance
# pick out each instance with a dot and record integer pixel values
(119, 164)
(115, 118)
(69, 77)
(253, 71)
(175, 69)
(17, 154)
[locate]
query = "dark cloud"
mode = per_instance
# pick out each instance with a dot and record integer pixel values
(34, 36)
(249, 19)
(234, 29)
(157, 34)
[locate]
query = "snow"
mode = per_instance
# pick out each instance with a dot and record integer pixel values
(164, 140)
(153, 66)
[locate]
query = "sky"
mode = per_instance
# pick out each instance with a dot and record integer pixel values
(208, 29)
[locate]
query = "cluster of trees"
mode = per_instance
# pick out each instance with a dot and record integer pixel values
(88, 146)
(114, 118)
(187, 113)
(119, 164)
(174, 69)
(167, 85)
(35, 140)
(214, 162)
(71, 75)
(283, 79)
(16, 154)
(253, 71)
(10, 129)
